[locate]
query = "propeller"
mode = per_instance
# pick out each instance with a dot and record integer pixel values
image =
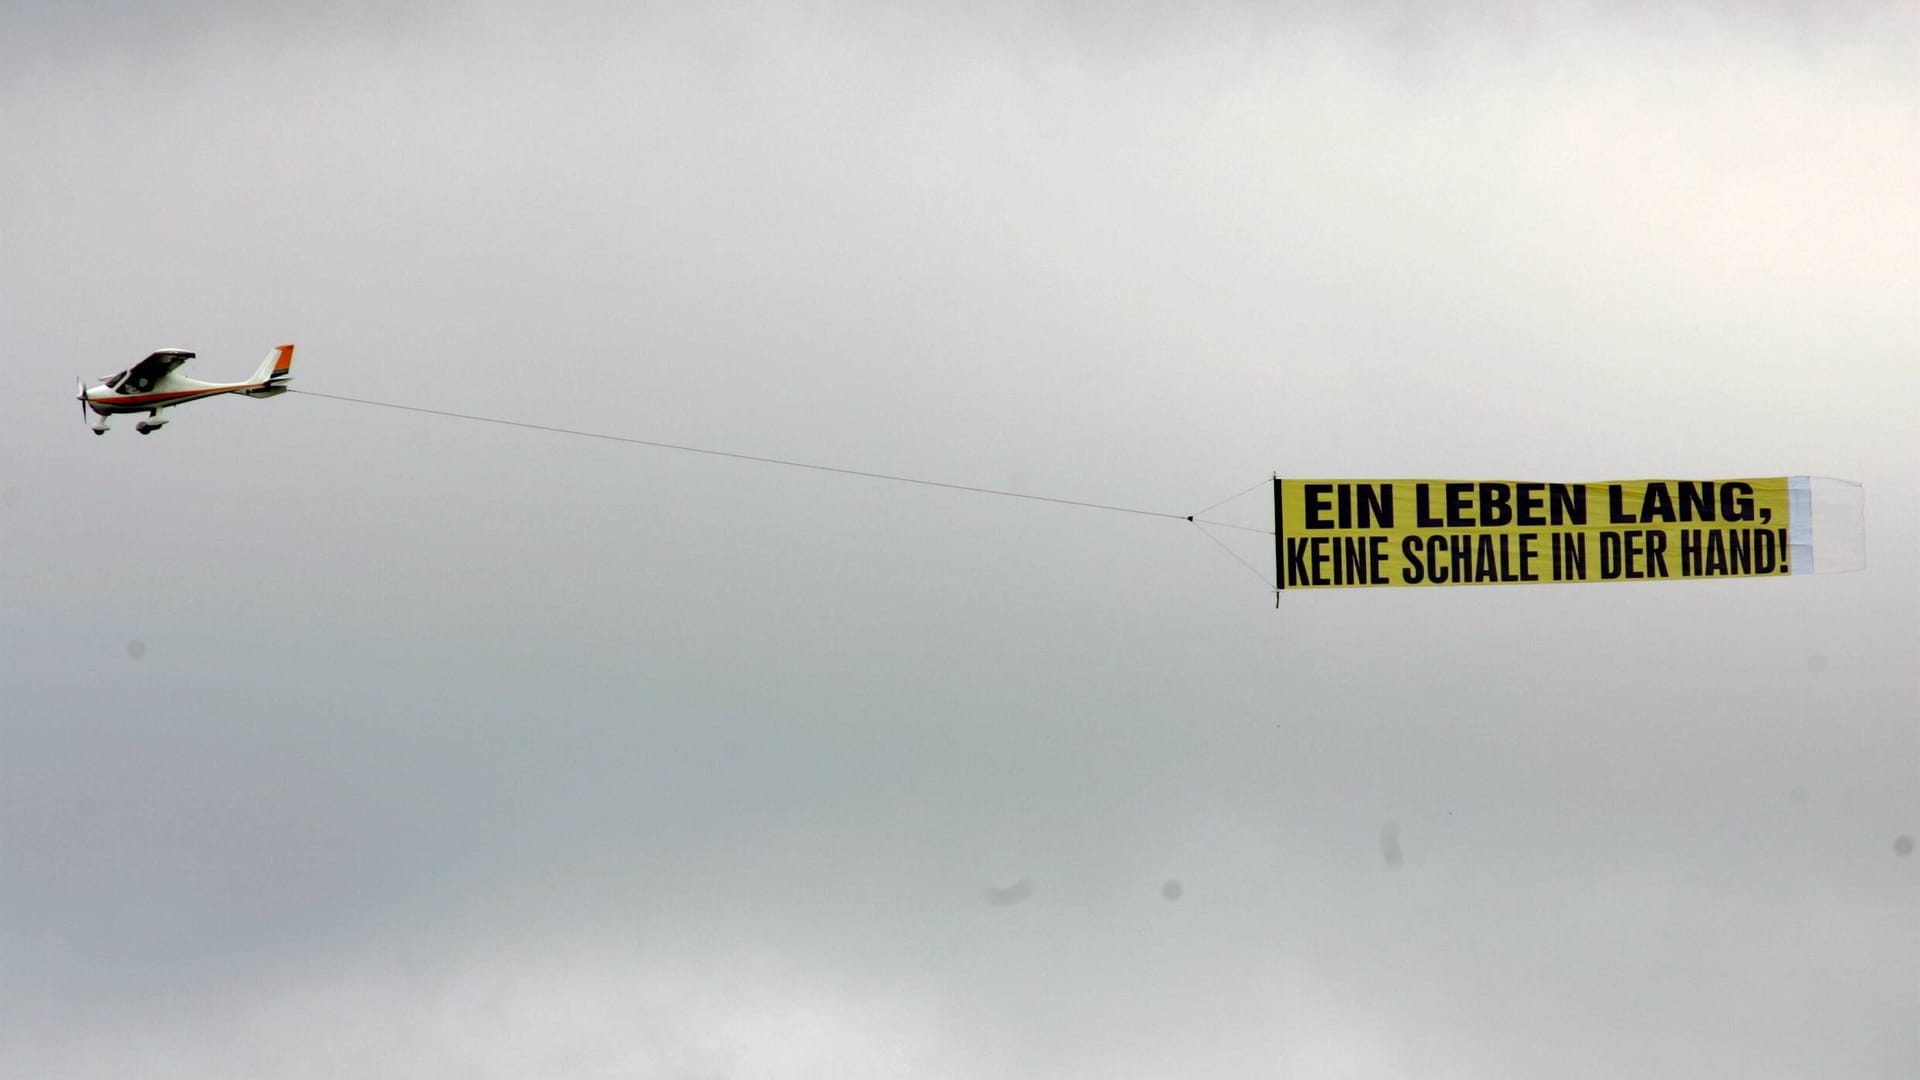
(86, 406)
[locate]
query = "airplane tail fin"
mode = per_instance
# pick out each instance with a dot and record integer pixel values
(274, 373)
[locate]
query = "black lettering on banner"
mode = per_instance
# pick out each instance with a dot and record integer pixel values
(1320, 561)
(1435, 568)
(1485, 570)
(1374, 506)
(1364, 506)
(1496, 505)
(1529, 500)
(1460, 552)
(1423, 515)
(1493, 532)
(1610, 554)
(1568, 556)
(1656, 503)
(1716, 561)
(1656, 553)
(1529, 543)
(1569, 504)
(1764, 556)
(1315, 496)
(1770, 552)
(1696, 501)
(1353, 567)
(1736, 501)
(1460, 506)
(1616, 514)
(1297, 560)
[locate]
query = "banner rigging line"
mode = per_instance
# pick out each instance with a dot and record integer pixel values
(789, 463)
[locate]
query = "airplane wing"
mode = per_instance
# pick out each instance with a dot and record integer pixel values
(143, 375)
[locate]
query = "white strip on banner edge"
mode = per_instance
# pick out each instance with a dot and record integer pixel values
(1837, 519)
(1800, 524)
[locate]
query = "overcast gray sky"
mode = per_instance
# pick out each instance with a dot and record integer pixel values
(337, 741)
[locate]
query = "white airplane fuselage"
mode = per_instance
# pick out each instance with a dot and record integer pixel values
(170, 390)
(154, 385)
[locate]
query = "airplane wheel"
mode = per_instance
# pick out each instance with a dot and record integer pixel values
(142, 428)
(99, 431)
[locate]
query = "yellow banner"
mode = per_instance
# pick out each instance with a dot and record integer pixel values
(1365, 533)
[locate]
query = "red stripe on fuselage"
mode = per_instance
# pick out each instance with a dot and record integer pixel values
(143, 402)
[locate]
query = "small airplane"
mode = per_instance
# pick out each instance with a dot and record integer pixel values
(151, 387)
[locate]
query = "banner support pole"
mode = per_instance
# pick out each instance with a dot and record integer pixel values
(1279, 545)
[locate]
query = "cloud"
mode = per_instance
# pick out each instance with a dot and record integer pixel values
(1010, 895)
(496, 1012)
(459, 747)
